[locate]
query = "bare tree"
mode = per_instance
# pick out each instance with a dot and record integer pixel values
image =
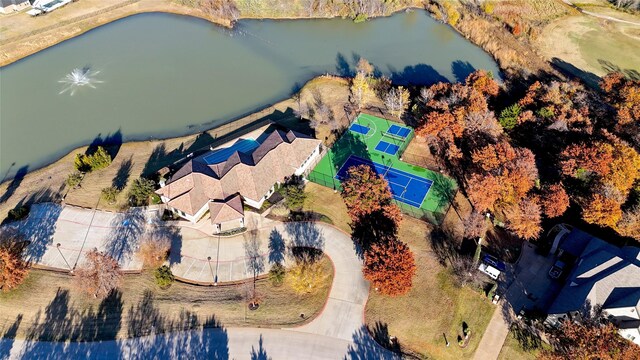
(255, 261)
(154, 249)
(226, 9)
(397, 101)
(99, 275)
(475, 225)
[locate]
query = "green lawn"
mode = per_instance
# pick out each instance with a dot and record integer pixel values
(441, 192)
(512, 349)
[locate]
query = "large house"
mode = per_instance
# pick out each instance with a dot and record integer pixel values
(249, 166)
(603, 276)
(9, 6)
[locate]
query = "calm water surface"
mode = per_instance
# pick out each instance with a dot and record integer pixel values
(163, 75)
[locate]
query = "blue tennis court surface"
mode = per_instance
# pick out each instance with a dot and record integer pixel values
(399, 131)
(407, 188)
(387, 148)
(220, 155)
(360, 129)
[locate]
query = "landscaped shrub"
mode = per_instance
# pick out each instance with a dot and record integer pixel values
(96, 161)
(74, 179)
(293, 192)
(164, 277)
(109, 194)
(18, 213)
(276, 274)
(509, 116)
(140, 191)
(306, 275)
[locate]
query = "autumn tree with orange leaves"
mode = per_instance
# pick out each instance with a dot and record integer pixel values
(448, 110)
(99, 275)
(390, 266)
(13, 268)
(554, 201)
(575, 341)
(624, 95)
(365, 192)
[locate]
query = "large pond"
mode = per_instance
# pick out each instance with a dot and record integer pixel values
(160, 75)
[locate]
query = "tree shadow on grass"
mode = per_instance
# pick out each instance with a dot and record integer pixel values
(15, 183)
(122, 176)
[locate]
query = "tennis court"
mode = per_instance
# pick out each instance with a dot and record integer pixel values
(405, 187)
(387, 148)
(360, 129)
(399, 131)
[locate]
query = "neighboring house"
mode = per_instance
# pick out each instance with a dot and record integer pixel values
(9, 6)
(249, 166)
(227, 215)
(603, 276)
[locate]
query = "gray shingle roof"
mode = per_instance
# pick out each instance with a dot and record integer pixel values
(604, 274)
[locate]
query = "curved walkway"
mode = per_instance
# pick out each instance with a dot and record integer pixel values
(338, 332)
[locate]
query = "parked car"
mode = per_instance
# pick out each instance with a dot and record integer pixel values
(557, 269)
(489, 270)
(491, 260)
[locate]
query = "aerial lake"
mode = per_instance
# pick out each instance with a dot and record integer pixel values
(160, 75)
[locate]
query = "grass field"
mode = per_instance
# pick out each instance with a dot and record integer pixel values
(433, 306)
(511, 349)
(49, 307)
(436, 200)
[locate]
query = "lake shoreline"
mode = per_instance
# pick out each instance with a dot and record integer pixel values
(23, 45)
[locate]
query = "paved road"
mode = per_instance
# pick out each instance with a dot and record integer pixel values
(336, 333)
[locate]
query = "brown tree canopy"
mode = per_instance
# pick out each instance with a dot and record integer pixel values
(558, 105)
(154, 250)
(365, 192)
(555, 200)
(390, 266)
(13, 268)
(574, 341)
(99, 275)
(602, 210)
(503, 175)
(523, 218)
(629, 224)
(624, 95)
(450, 109)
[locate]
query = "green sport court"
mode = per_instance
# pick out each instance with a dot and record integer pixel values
(379, 143)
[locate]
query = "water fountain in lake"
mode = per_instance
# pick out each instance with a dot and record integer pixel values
(78, 78)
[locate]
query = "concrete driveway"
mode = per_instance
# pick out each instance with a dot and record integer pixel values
(338, 332)
(79, 230)
(530, 287)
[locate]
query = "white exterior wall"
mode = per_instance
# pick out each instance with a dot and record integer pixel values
(194, 219)
(631, 334)
(305, 165)
(19, 5)
(624, 314)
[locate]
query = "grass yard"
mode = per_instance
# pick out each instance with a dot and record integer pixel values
(323, 200)
(433, 306)
(374, 145)
(60, 312)
(584, 44)
(511, 349)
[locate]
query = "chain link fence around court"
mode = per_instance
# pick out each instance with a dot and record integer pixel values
(332, 183)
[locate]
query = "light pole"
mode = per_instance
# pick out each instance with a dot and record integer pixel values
(211, 269)
(63, 258)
